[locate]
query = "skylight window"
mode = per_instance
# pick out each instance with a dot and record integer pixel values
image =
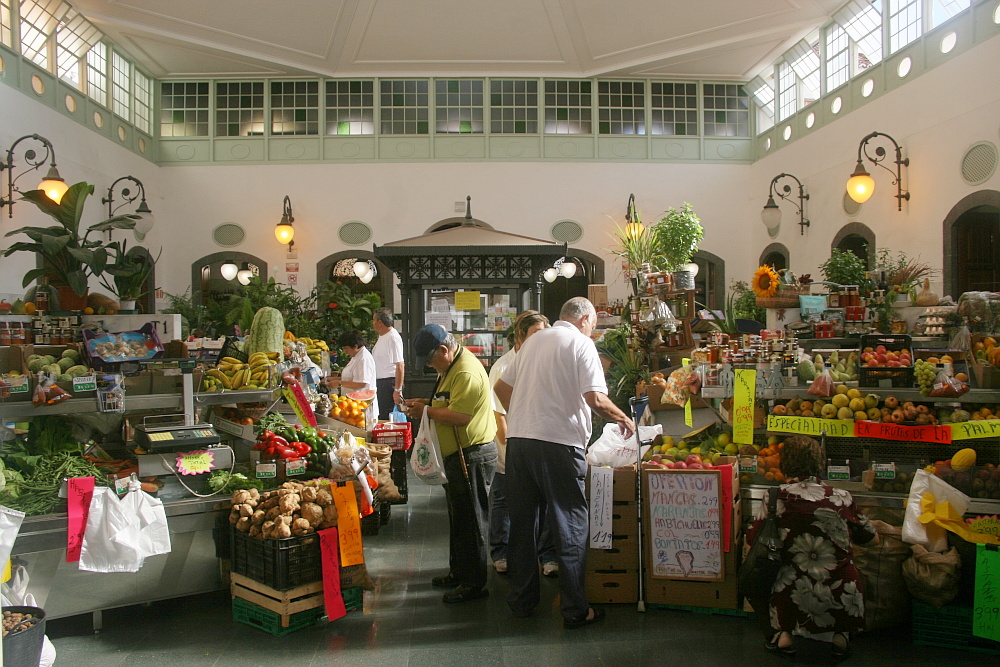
(74, 37)
(763, 94)
(788, 100)
(838, 57)
(905, 24)
(804, 60)
(942, 10)
(38, 22)
(863, 23)
(6, 29)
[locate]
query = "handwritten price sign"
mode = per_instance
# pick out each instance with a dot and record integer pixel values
(601, 491)
(349, 524)
(986, 605)
(79, 491)
(195, 463)
(744, 392)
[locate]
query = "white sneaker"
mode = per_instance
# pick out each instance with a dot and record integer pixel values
(500, 565)
(550, 569)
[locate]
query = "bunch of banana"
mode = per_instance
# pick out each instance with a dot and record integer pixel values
(233, 374)
(314, 348)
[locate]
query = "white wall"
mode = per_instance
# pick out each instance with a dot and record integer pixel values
(936, 117)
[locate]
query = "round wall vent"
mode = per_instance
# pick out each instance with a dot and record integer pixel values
(355, 233)
(229, 234)
(851, 207)
(979, 163)
(567, 231)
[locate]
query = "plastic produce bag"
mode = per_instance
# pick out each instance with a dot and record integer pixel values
(932, 577)
(611, 449)
(152, 536)
(946, 385)
(397, 416)
(822, 385)
(962, 340)
(426, 458)
(111, 538)
(934, 538)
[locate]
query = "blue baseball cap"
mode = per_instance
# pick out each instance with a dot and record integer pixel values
(426, 342)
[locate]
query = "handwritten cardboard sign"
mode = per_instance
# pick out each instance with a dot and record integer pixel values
(835, 428)
(349, 523)
(300, 404)
(601, 494)
(986, 603)
(79, 491)
(684, 524)
(927, 433)
(744, 393)
(983, 428)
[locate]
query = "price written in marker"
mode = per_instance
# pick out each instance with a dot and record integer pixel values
(744, 392)
(195, 463)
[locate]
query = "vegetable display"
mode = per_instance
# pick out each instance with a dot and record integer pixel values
(267, 333)
(293, 509)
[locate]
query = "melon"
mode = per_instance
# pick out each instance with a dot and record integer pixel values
(267, 333)
(362, 395)
(963, 459)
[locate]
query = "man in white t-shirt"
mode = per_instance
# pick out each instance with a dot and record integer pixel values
(549, 390)
(388, 354)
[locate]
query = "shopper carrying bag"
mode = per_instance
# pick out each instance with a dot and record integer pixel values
(760, 568)
(426, 458)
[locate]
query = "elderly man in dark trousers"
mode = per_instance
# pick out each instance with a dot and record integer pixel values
(462, 410)
(549, 390)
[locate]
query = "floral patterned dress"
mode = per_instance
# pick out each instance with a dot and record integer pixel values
(818, 589)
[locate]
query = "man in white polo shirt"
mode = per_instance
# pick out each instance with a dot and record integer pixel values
(549, 390)
(388, 355)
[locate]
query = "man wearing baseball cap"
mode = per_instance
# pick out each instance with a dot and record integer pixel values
(462, 409)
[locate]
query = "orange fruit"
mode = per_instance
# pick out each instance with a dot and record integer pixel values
(29, 308)
(778, 476)
(88, 311)
(769, 476)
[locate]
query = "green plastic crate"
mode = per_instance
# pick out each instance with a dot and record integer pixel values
(948, 627)
(269, 621)
(353, 598)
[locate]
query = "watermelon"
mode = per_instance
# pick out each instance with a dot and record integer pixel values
(362, 395)
(267, 333)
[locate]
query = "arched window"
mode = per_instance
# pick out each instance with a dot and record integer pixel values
(710, 283)
(207, 281)
(589, 270)
(775, 255)
(339, 268)
(857, 238)
(972, 244)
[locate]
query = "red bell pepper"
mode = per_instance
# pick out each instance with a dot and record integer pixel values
(301, 448)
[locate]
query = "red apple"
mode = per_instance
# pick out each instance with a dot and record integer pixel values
(882, 359)
(893, 363)
(678, 465)
(695, 466)
(693, 458)
(880, 349)
(872, 362)
(891, 356)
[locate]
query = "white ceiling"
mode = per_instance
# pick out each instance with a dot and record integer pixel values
(713, 39)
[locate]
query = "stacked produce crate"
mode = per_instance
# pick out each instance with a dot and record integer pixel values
(613, 574)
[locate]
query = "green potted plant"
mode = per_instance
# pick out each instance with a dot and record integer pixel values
(129, 273)
(902, 272)
(843, 268)
(637, 248)
(678, 234)
(68, 255)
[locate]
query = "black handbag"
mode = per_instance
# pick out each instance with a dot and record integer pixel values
(760, 568)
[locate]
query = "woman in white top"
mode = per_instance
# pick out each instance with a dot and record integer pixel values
(359, 373)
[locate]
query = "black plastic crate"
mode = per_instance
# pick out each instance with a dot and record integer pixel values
(398, 466)
(893, 343)
(279, 564)
(231, 349)
(370, 524)
(384, 513)
(949, 627)
(885, 376)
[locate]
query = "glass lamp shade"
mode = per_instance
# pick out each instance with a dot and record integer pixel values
(860, 186)
(244, 275)
(692, 268)
(634, 230)
(568, 269)
(550, 274)
(367, 278)
(144, 223)
(771, 217)
(229, 269)
(284, 232)
(362, 269)
(53, 185)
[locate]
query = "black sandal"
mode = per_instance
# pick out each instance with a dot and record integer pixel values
(773, 646)
(840, 649)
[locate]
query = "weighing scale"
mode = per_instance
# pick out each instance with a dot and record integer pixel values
(164, 436)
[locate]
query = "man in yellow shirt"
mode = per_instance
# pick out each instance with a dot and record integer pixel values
(462, 410)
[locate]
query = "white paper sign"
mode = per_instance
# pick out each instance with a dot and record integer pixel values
(601, 495)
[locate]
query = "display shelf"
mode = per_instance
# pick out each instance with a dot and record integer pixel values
(907, 394)
(76, 406)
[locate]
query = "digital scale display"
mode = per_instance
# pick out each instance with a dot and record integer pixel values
(176, 439)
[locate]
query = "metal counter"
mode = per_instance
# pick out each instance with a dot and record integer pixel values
(62, 589)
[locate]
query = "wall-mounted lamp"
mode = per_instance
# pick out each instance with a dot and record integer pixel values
(633, 225)
(771, 215)
(244, 275)
(53, 184)
(229, 269)
(284, 231)
(144, 221)
(861, 185)
(564, 267)
(365, 270)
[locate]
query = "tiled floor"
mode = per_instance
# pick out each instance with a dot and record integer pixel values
(404, 623)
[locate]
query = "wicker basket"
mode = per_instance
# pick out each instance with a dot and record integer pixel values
(784, 298)
(253, 410)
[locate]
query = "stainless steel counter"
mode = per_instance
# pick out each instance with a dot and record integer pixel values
(62, 589)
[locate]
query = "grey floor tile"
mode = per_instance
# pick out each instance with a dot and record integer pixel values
(559, 654)
(456, 657)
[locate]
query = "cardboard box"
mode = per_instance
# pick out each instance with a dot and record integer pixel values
(623, 555)
(655, 393)
(759, 412)
(713, 594)
(613, 586)
(624, 480)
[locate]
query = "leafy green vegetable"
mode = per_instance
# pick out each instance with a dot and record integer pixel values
(226, 482)
(50, 435)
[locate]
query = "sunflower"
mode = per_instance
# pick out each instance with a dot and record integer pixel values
(765, 281)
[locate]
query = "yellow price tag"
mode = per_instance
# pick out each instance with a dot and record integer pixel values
(984, 428)
(744, 393)
(688, 417)
(835, 428)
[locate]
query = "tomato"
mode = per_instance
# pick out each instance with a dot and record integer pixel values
(247, 421)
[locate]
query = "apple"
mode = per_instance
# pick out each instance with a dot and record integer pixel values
(882, 358)
(893, 363)
(693, 458)
(679, 465)
(872, 361)
(696, 466)
(880, 349)
(891, 356)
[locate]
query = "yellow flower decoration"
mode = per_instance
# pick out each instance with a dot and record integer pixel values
(765, 281)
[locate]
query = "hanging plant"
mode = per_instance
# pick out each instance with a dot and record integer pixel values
(765, 282)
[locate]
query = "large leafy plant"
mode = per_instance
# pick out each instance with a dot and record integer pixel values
(678, 234)
(844, 268)
(129, 272)
(67, 254)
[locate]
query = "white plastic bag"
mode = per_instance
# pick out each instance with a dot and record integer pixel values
(611, 449)
(153, 535)
(426, 458)
(915, 532)
(111, 538)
